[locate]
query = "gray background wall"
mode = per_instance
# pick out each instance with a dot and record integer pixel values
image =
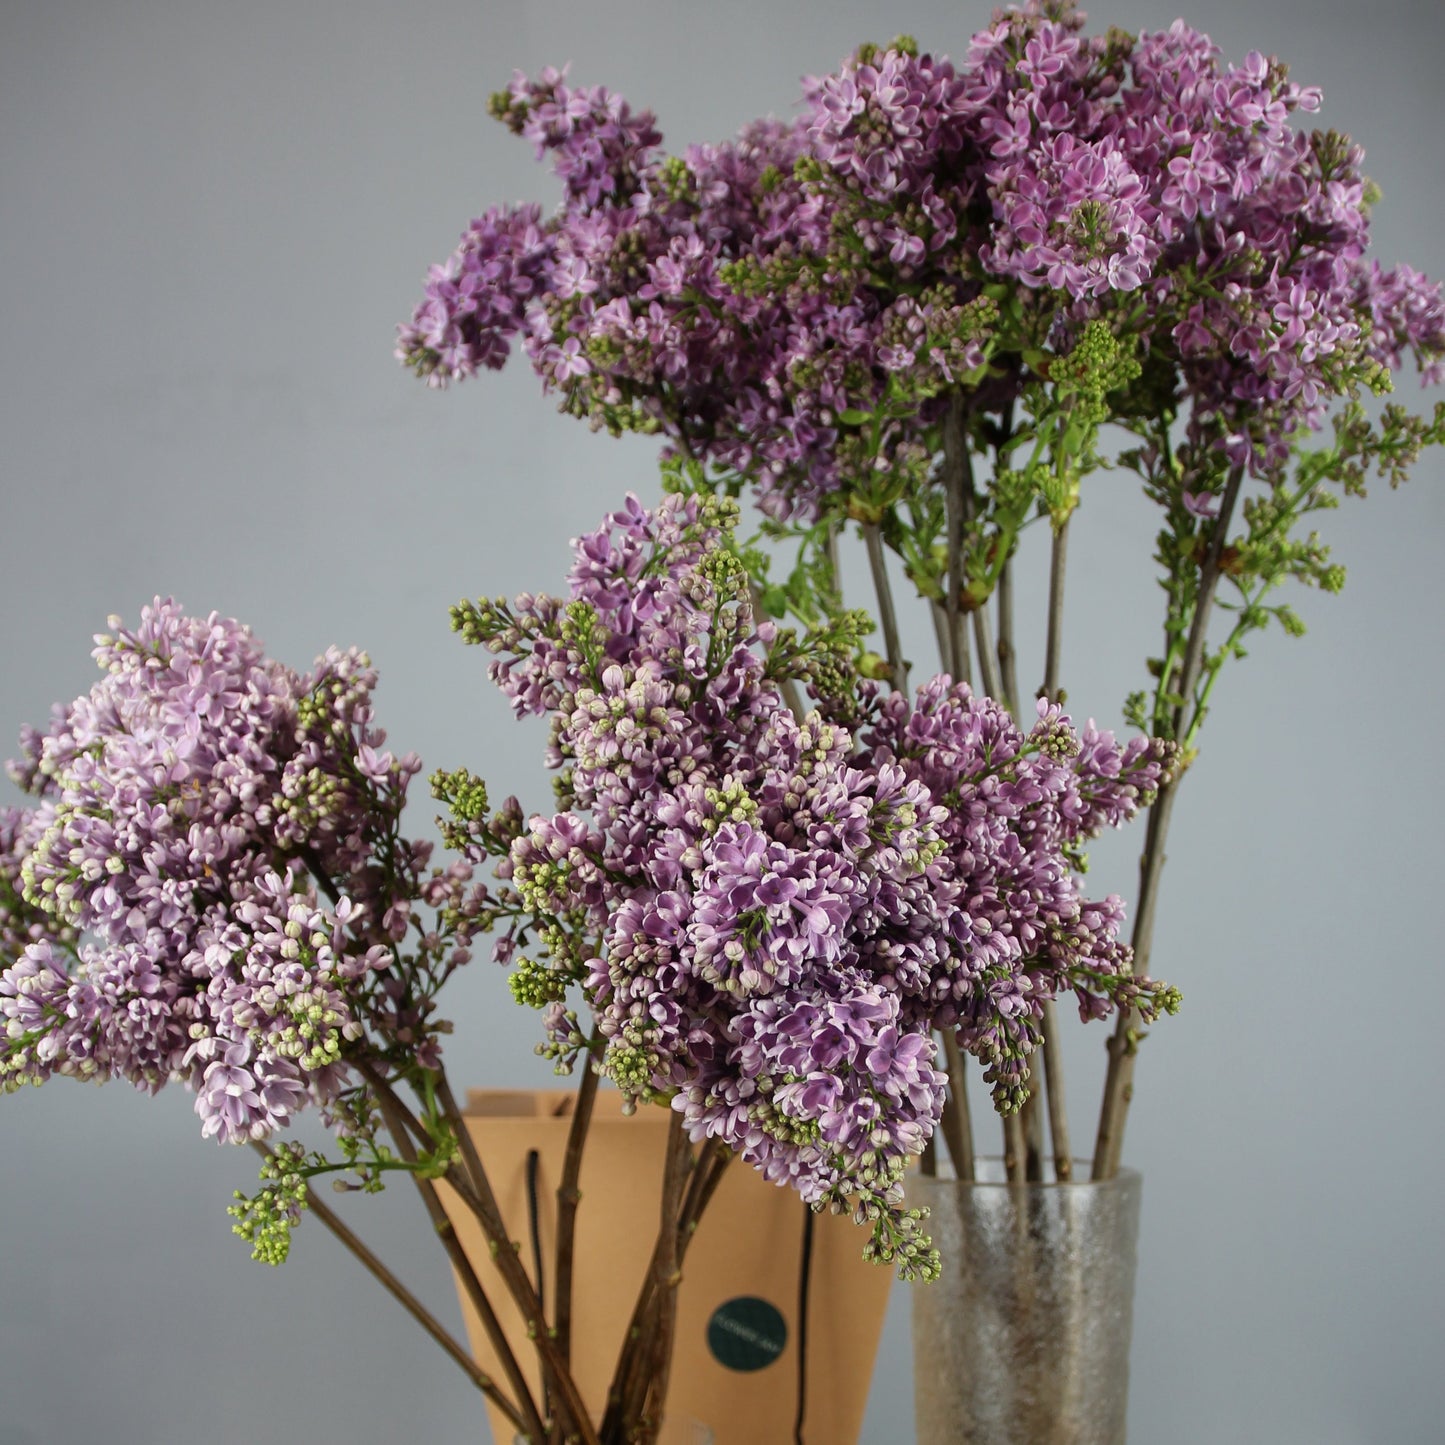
(213, 215)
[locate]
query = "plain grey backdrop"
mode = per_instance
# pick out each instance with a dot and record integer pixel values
(213, 217)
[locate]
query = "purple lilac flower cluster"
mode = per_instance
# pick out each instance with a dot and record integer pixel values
(923, 227)
(768, 916)
(211, 888)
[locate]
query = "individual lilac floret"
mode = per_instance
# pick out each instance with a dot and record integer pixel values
(785, 910)
(219, 830)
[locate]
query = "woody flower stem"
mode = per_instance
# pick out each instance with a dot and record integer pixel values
(887, 616)
(1015, 1148)
(532, 1426)
(647, 1345)
(474, 1190)
(957, 1125)
(1052, 1056)
(568, 1197)
(1123, 1044)
(406, 1299)
(483, 1204)
(667, 1274)
(707, 1173)
(1007, 653)
(957, 480)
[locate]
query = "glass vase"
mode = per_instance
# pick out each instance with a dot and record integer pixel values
(1024, 1339)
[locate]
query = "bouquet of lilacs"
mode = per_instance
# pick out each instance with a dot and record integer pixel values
(754, 918)
(782, 894)
(935, 303)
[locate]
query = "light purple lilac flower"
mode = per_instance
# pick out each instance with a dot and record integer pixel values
(210, 889)
(786, 909)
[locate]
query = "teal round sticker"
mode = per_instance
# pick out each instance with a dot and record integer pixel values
(746, 1333)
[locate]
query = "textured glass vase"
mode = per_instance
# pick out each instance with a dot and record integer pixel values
(1024, 1339)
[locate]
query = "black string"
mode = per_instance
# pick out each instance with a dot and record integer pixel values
(534, 1160)
(805, 1270)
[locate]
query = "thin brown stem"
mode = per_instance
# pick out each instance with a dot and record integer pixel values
(704, 1166)
(488, 1214)
(1053, 1065)
(568, 1198)
(957, 1121)
(1031, 1122)
(693, 1212)
(1007, 654)
(1124, 1042)
(667, 1273)
(939, 614)
(928, 1159)
(958, 499)
(420, 1136)
(1051, 1054)
(1014, 1149)
(532, 1425)
(688, 1183)
(1053, 647)
(707, 1173)
(406, 1299)
(887, 616)
(987, 659)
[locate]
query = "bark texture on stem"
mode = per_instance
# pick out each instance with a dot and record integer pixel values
(483, 1204)
(701, 1177)
(987, 660)
(887, 616)
(957, 1122)
(667, 1275)
(958, 498)
(568, 1198)
(1123, 1044)
(436, 1211)
(1053, 646)
(1015, 1151)
(1052, 1056)
(939, 614)
(1007, 653)
(1053, 1066)
(404, 1297)
(830, 551)
(1031, 1118)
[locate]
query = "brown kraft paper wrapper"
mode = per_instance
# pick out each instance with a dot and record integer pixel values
(735, 1363)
